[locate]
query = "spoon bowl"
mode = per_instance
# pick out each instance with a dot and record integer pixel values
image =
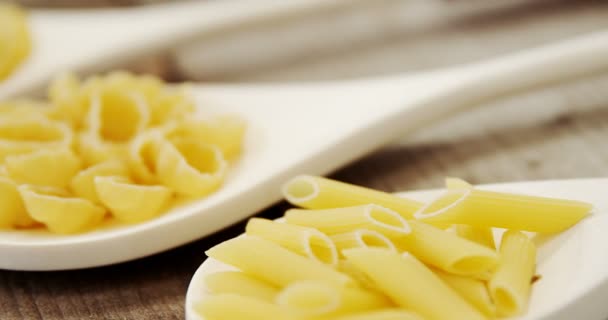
(573, 265)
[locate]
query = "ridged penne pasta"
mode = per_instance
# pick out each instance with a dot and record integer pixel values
(362, 238)
(384, 314)
(240, 283)
(60, 212)
(315, 298)
(347, 219)
(190, 167)
(232, 306)
(511, 211)
(447, 251)
(12, 210)
(313, 192)
(46, 167)
(130, 202)
(481, 235)
(411, 285)
(83, 184)
(252, 255)
(472, 290)
(304, 241)
(511, 283)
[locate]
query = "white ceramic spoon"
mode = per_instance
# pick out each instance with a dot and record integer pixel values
(305, 128)
(93, 40)
(573, 265)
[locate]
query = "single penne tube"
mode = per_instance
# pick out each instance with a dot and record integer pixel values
(411, 285)
(447, 251)
(384, 314)
(511, 283)
(308, 242)
(315, 298)
(482, 208)
(233, 306)
(472, 290)
(240, 283)
(314, 192)
(361, 278)
(347, 219)
(274, 264)
(362, 238)
(481, 235)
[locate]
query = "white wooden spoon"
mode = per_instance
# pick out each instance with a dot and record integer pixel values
(93, 40)
(306, 128)
(573, 265)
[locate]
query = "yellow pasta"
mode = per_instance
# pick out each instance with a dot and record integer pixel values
(46, 167)
(69, 103)
(143, 154)
(224, 131)
(411, 285)
(362, 238)
(19, 135)
(511, 211)
(384, 314)
(117, 116)
(252, 255)
(315, 298)
(130, 202)
(59, 211)
(237, 282)
(481, 235)
(232, 306)
(342, 220)
(12, 210)
(456, 183)
(304, 241)
(511, 283)
(83, 184)
(190, 168)
(93, 150)
(472, 290)
(448, 251)
(350, 270)
(25, 108)
(14, 38)
(313, 192)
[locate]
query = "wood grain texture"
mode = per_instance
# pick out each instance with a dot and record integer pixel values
(563, 147)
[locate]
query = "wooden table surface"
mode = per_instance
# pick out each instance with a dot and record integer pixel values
(566, 146)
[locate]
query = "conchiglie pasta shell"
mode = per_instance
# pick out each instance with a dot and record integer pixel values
(69, 102)
(142, 155)
(94, 151)
(130, 202)
(25, 108)
(12, 210)
(170, 104)
(83, 184)
(15, 38)
(190, 168)
(60, 212)
(19, 135)
(46, 167)
(117, 115)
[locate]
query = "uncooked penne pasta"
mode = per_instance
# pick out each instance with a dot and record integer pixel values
(272, 263)
(315, 298)
(304, 241)
(237, 282)
(384, 314)
(411, 285)
(481, 235)
(314, 192)
(496, 209)
(232, 306)
(362, 238)
(472, 290)
(342, 220)
(361, 278)
(447, 251)
(511, 283)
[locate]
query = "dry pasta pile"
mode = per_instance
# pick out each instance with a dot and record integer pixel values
(353, 253)
(119, 146)
(14, 38)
